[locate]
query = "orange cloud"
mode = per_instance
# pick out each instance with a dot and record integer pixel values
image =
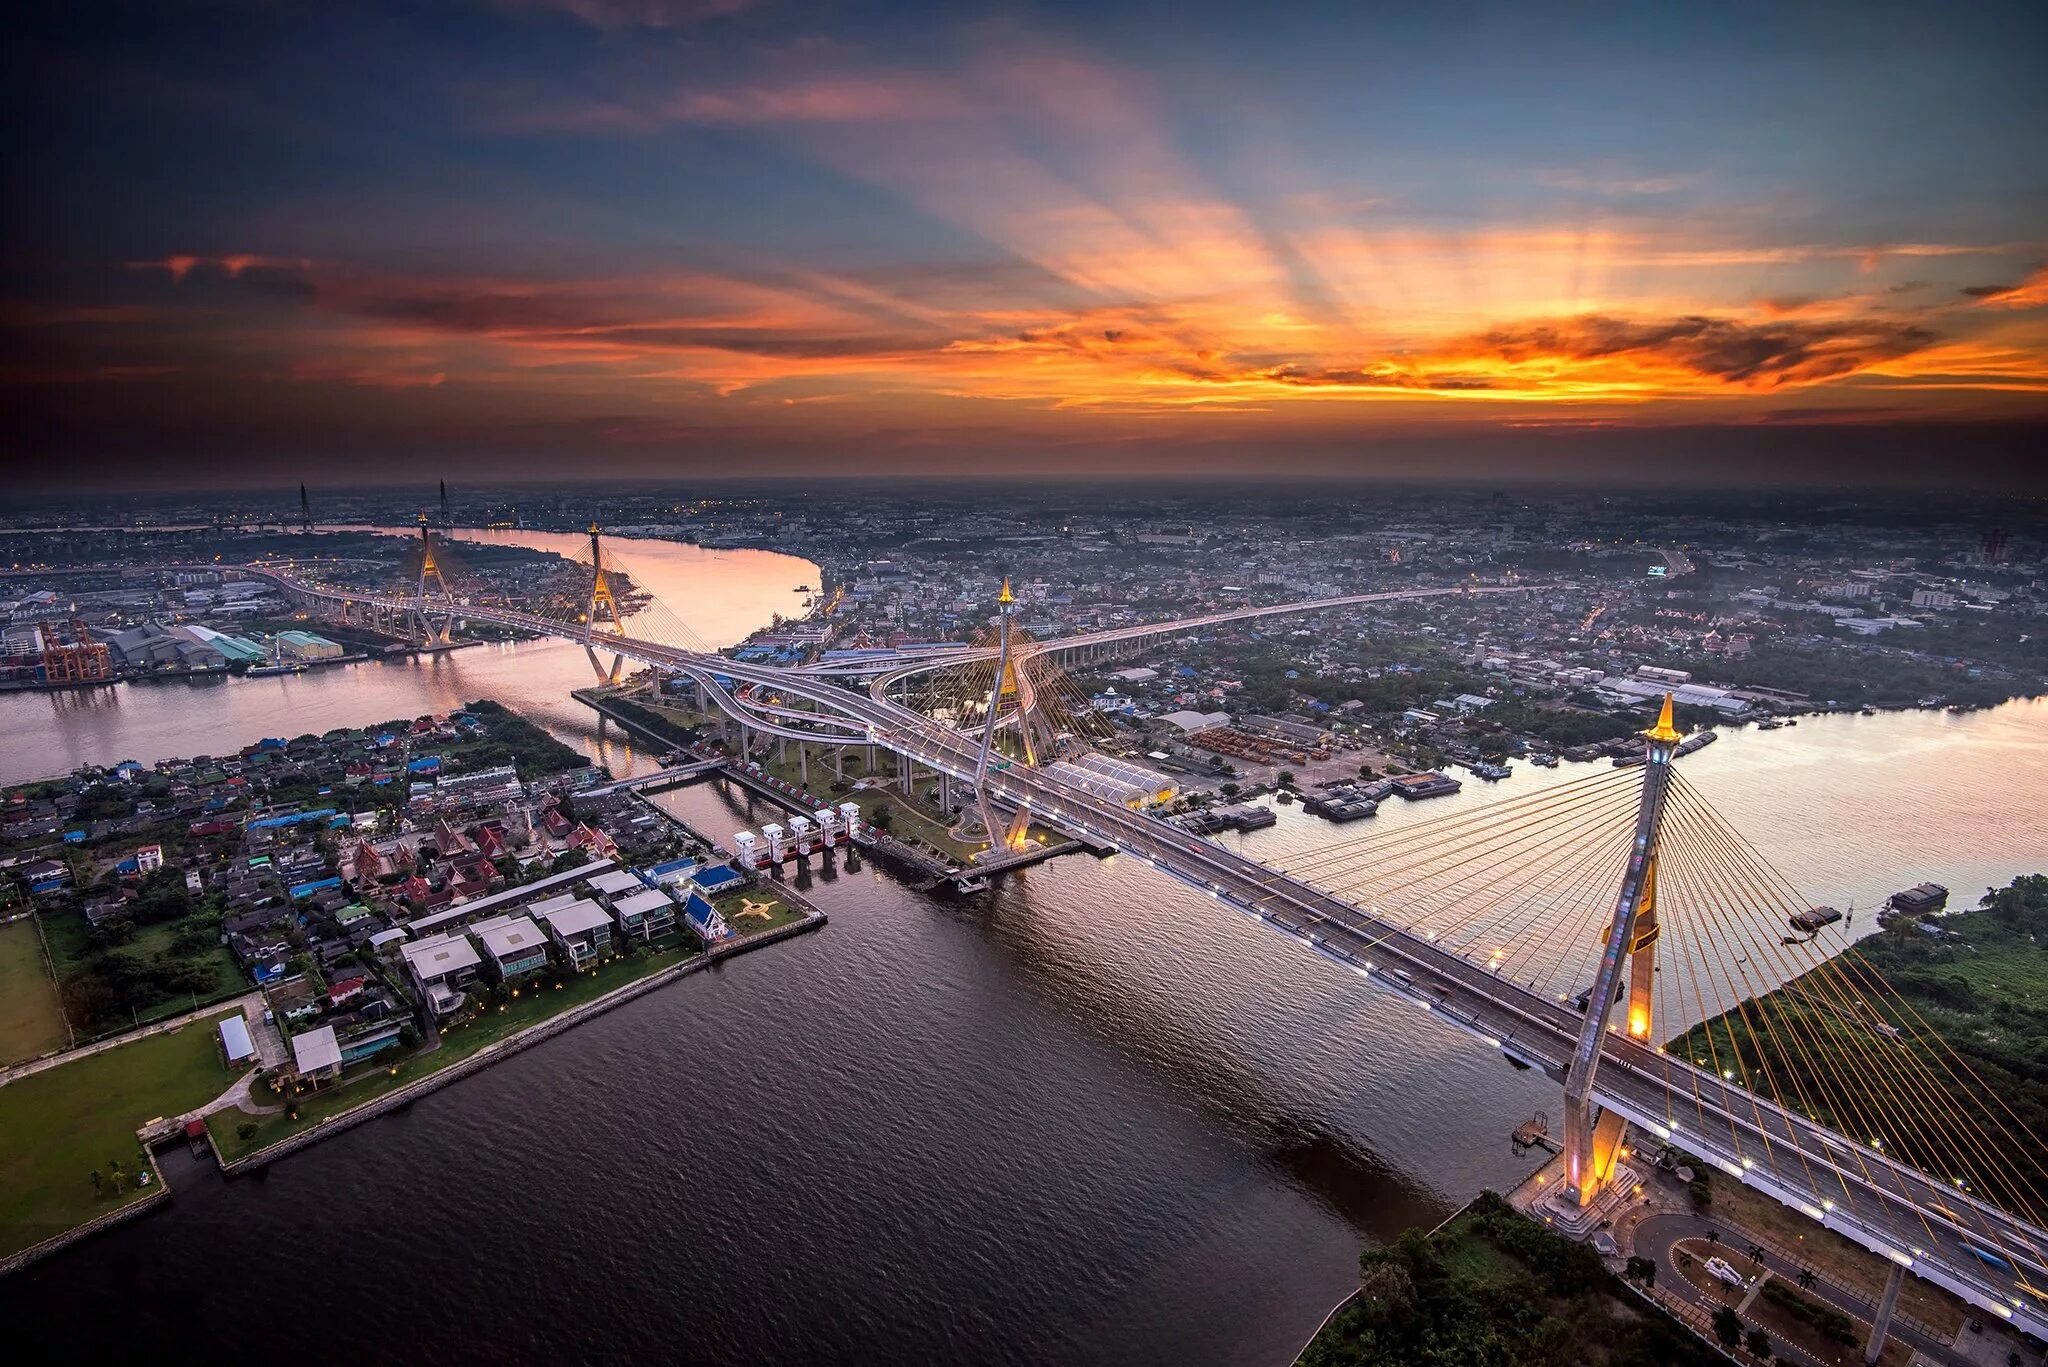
(2030, 293)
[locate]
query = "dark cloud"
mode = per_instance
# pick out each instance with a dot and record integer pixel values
(1360, 377)
(1719, 348)
(1988, 291)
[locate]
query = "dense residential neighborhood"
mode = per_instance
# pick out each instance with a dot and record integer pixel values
(373, 884)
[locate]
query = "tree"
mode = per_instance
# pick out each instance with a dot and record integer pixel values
(246, 1131)
(1229, 790)
(1755, 1253)
(1806, 1278)
(1727, 1327)
(97, 1182)
(883, 817)
(1642, 1270)
(1758, 1343)
(1286, 778)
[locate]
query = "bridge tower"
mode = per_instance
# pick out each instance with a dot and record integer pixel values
(1592, 1141)
(1014, 683)
(430, 568)
(602, 600)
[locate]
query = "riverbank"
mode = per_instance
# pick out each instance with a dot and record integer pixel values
(1490, 1286)
(1958, 1001)
(445, 1065)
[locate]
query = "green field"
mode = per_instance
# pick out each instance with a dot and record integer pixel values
(58, 1126)
(1962, 1016)
(80, 957)
(372, 1078)
(31, 1021)
(780, 913)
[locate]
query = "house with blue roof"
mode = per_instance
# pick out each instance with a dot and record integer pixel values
(717, 878)
(704, 920)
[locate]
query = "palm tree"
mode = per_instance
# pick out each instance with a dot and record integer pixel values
(97, 1181)
(1756, 1253)
(1806, 1277)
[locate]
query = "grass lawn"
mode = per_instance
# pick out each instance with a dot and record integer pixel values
(373, 1078)
(57, 1126)
(31, 1020)
(1828, 1253)
(780, 913)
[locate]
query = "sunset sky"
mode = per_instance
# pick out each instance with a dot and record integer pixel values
(727, 236)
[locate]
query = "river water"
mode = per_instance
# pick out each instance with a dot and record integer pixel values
(1087, 1117)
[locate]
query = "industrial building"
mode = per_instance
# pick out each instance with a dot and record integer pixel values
(1118, 780)
(304, 645)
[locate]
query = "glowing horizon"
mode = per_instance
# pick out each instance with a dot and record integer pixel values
(741, 225)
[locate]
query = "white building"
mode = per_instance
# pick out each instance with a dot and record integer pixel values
(444, 966)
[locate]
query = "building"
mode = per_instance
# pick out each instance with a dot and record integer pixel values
(443, 966)
(583, 929)
(647, 914)
(616, 883)
(304, 645)
(1118, 780)
(704, 920)
(1937, 599)
(514, 943)
(235, 1043)
(316, 1056)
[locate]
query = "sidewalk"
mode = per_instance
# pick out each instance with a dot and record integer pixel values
(247, 1002)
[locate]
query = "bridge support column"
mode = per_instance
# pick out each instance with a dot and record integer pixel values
(803, 763)
(1593, 1141)
(1888, 1303)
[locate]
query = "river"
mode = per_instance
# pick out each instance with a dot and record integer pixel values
(1087, 1117)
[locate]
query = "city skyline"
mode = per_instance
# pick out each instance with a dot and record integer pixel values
(718, 237)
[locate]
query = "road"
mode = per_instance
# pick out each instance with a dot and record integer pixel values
(1656, 1236)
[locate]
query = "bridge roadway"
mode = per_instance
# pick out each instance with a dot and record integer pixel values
(919, 662)
(1898, 1212)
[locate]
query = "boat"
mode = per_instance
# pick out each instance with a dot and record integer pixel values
(1342, 803)
(1546, 760)
(1415, 787)
(1813, 918)
(1920, 900)
(1491, 772)
(1769, 724)
(263, 671)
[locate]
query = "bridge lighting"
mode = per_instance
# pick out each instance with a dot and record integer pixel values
(1827, 1205)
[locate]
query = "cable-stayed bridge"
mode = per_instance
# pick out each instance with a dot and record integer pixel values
(1591, 930)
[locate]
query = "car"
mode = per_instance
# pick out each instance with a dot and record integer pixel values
(1987, 1257)
(1722, 1270)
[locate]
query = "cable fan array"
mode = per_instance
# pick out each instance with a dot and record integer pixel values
(959, 695)
(1526, 889)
